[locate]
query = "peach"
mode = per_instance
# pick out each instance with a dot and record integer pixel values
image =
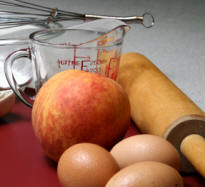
(75, 106)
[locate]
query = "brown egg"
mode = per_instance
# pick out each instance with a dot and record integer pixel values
(145, 147)
(146, 174)
(86, 165)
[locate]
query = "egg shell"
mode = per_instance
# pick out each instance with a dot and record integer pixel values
(86, 165)
(146, 174)
(145, 147)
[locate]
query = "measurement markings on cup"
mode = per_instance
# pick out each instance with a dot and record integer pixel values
(103, 63)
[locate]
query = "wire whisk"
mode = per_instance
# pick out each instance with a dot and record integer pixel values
(45, 15)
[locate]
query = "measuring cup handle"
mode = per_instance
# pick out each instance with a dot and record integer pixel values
(22, 53)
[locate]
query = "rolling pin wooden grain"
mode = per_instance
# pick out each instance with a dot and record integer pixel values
(160, 108)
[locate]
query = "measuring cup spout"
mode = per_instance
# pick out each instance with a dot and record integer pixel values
(114, 36)
(122, 29)
(111, 38)
(126, 28)
(109, 32)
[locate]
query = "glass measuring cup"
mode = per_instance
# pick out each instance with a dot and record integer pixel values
(54, 50)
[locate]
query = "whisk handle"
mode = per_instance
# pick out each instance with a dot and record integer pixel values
(147, 19)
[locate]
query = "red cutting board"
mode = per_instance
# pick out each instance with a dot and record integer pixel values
(22, 161)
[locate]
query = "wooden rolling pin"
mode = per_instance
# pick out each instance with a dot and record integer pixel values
(158, 107)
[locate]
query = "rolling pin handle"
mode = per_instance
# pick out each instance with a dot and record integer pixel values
(193, 148)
